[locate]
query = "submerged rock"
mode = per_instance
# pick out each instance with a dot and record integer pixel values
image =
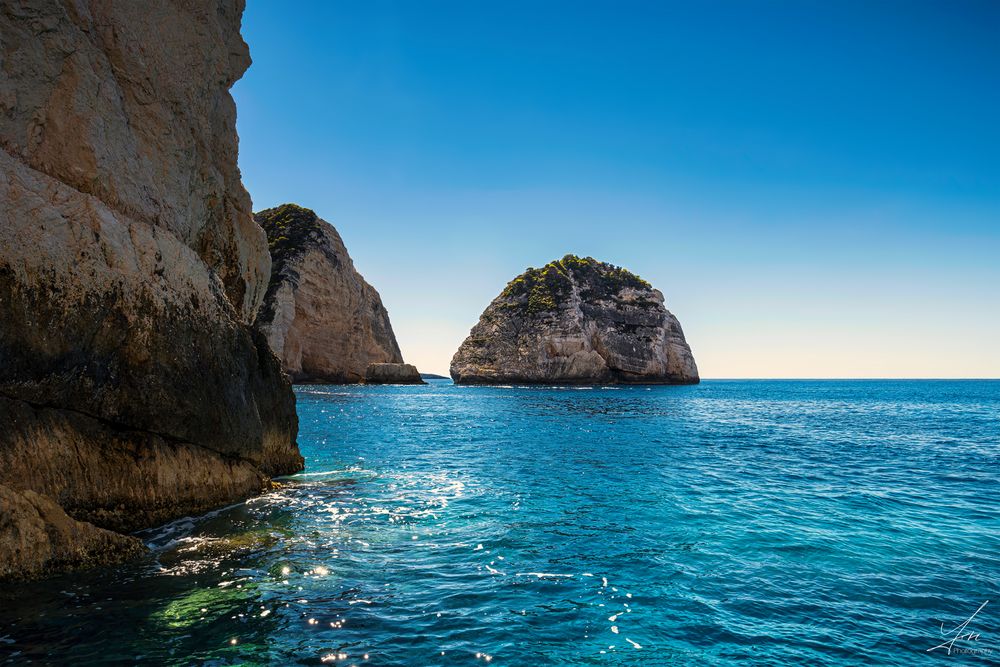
(133, 387)
(576, 321)
(321, 318)
(393, 374)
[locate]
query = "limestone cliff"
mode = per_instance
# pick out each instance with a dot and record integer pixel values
(321, 318)
(132, 387)
(576, 321)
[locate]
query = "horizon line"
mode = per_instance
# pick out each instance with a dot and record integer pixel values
(858, 378)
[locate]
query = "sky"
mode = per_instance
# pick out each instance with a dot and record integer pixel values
(814, 186)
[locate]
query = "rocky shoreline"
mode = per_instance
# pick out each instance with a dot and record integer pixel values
(153, 325)
(133, 386)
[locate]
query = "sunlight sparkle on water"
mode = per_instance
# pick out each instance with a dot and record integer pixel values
(473, 474)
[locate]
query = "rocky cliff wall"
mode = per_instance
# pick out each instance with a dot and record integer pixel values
(132, 387)
(321, 318)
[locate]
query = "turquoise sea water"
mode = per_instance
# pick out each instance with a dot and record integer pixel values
(742, 522)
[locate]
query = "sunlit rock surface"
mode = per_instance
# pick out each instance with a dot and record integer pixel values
(393, 374)
(321, 318)
(576, 321)
(133, 387)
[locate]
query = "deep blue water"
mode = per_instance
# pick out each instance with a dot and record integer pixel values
(742, 522)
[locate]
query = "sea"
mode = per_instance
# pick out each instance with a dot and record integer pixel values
(743, 522)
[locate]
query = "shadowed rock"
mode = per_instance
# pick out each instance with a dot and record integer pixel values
(37, 538)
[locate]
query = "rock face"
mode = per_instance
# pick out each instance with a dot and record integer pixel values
(37, 537)
(133, 387)
(393, 374)
(576, 321)
(320, 317)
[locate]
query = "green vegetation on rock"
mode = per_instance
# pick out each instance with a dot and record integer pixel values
(549, 287)
(287, 227)
(546, 288)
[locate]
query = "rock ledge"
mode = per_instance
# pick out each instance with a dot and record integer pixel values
(393, 374)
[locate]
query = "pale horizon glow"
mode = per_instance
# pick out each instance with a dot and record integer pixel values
(815, 189)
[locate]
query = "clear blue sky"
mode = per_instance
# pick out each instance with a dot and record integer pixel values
(815, 186)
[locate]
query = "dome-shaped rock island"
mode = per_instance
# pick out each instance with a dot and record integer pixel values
(576, 321)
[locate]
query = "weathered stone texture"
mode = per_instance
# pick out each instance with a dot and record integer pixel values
(37, 538)
(133, 387)
(393, 374)
(321, 318)
(576, 321)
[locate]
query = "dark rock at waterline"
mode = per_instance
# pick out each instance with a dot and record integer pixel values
(37, 538)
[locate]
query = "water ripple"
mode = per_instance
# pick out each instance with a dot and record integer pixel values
(826, 523)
